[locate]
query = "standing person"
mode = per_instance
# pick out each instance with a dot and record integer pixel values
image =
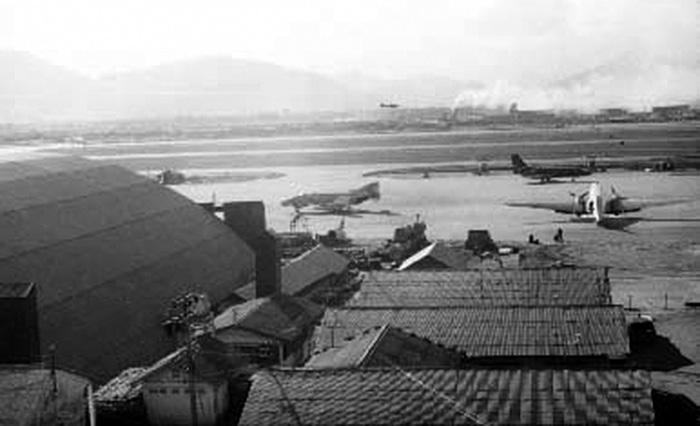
(559, 237)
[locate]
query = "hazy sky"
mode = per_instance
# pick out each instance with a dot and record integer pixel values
(467, 40)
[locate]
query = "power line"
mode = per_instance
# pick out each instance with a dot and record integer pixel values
(456, 404)
(289, 403)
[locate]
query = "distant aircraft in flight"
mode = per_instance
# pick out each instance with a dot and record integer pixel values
(546, 174)
(388, 105)
(607, 212)
(333, 203)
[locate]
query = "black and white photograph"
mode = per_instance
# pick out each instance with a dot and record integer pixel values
(333, 212)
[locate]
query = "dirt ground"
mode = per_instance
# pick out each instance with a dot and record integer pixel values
(657, 278)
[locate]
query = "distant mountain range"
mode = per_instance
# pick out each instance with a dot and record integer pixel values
(32, 89)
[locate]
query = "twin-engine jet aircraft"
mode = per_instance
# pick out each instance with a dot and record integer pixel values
(333, 203)
(607, 212)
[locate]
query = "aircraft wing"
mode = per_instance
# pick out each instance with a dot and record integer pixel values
(558, 207)
(629, 206)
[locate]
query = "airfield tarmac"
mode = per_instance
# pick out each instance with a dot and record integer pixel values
(655, 266)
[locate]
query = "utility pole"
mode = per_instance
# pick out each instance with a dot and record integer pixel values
(54, 383)
(191, 361)
(184, 312)
(188, 302)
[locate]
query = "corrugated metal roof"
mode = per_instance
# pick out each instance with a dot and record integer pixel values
(303, 271)
(351, 354)
(315, 264)
(108, 250)
(280, 317)
(384, 346)
(451, 259)
(495, 331)
(26, 393)
(503, 287)
(22, 395)
(498, 397)
(247, 292)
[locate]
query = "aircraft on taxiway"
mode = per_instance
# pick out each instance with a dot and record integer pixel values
(547, 174)
(339, 203)
(608, 212)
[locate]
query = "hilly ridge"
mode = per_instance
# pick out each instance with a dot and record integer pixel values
(33, 90)
(219, 85)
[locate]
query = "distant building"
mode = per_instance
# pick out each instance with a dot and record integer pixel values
(108, 250)
(30, 396)
(614, 114)
(466, 397)
(480, 114)
(269, 331)
(416, 115)
(542, 117)
(641, 116)
(385, 346)
(671, 112)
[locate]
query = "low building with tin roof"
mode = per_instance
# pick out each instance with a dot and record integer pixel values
(269, 330)
(317, 274)
(318, 266)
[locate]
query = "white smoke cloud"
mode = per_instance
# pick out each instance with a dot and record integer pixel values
(635, 90)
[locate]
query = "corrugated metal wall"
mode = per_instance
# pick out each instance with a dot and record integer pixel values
(108, 250)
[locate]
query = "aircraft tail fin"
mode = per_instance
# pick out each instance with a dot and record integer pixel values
(369, 191)
(518, 163)
(595, 202)
(615, 194)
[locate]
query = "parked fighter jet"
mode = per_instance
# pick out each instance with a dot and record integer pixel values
(333, 203)
(607, 212)
(546, 174)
